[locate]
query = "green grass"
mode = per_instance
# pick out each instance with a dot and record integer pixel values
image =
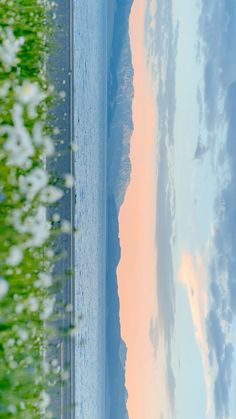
(24, 322)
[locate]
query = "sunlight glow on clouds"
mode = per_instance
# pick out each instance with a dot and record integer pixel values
(193, 275)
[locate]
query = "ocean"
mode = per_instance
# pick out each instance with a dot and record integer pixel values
(90, 130)
(102, 126)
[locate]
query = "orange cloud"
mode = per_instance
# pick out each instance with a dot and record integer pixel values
(193, 275)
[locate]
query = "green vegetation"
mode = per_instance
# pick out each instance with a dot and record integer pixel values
(27, 286)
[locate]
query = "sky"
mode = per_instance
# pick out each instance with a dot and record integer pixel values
(177, 228)
(137, 268)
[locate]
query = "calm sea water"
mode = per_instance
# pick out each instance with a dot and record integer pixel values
(90, 109)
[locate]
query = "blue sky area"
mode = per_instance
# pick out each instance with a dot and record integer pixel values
(194, 45)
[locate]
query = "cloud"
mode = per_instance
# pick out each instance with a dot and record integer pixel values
(218, 53)
(171, 385)
(154, 335)
(201, 150)
(217, 37)
(211, 285)
(223, 382)
(216, 338)
(212, 319)
(166, 102)
(225, 206)
(223, 270)
(161, 36)
(222, 352)
(194, 276)
(219, 45)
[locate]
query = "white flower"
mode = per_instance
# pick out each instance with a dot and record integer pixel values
(46, 367)
(69, 180)
(74, 147)
(65, 226)
(29, 359)
(48, 146)
(4, 286)
(19, 308)
(41, 140)
(22, 405)
(40, 234)
(50, 253)
(9, 48)
(62, 94)
(65, 375)
(11, 408)
(56, 370)
(56, 131)
(54, 362)
(16, 221)
(68, 308)
(30, 94)
(36, 225)
(44, 280)
(4, 88)
(39, 228)
(23, 334)
(33, 303)
(15, 256)
(10, 342)
(9, 271)
(44, 400)
(55, 367)
(56, 217)
(13, 366)
(18, 144)
(48, 306)
(51, 194)
(38, 133)
(32, 183)
(73, 331)
(15, 197)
